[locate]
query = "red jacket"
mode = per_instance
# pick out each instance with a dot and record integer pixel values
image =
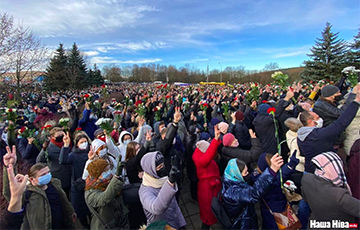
(205, 165)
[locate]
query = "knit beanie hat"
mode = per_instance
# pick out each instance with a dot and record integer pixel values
(159, 158)
(239, 116)
(329, 90)
(98, 132)
(262, 163)
(202, 145)
(263, 109)
(214, 121)
(99, 147)
(205, 136)
(223, 126)
(228, 139)
(97, 167)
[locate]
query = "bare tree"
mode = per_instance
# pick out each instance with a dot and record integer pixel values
(271, 66)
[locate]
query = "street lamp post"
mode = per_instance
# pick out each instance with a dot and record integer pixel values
(220, 72)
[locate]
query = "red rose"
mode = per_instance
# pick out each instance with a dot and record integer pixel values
(269, 110)
(310, 81)
(155, 109)
(118, 112)
(103, 86)
(158, 87)
(165, 85)
(206, 105)
(10, 110)
(168, 96)
(43, 127)
(264, 101)
(78, 129)
(171, 102)
(47, 126)
(247, 91)
(86, 95)
(139, 102)
(256, 84)
(22, 129)
(291, 88)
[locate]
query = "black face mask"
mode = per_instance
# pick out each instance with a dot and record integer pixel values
(339, 98)
(161, 172)
(247, 178)
(59, 139)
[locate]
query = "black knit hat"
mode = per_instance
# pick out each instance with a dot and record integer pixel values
(329, 90)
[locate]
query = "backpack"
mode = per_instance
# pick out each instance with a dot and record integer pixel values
(220, 213)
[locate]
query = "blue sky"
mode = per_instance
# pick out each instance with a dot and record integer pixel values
(235, 33)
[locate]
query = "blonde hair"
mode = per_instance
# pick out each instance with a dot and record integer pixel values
(293, 124)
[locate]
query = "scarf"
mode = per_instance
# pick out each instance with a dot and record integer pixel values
(330, 168)
(58, 144)
(150, 181)
(96, 183)
(232, 171)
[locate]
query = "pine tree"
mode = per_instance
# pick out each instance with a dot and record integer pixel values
(355, 52)
(56, 77)
(77, 69)
(328, 57)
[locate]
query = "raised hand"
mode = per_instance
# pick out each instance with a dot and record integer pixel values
(141, 121)
(66, 140)
(174, 173)
(91, 154)
(252, 133)
(10, 157)
(17, 186)
(276, 162)
(148, 135)
(217, 132)
(177, 115)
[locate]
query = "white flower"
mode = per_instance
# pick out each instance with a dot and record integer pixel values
(99, 121)
(64, 120)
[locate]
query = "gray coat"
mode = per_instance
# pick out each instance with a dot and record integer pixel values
(159, 203)
(328, 202)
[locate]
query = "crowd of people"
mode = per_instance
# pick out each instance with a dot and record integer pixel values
(115, 157)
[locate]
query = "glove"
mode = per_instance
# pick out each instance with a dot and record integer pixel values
(174, 173)
(119, 169)
(293, 160)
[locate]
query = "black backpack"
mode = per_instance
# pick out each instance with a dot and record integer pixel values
(219, 211)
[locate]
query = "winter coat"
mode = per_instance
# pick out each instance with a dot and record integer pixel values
(353, 169)
(51, 157)
(281, 115)
(87, 124)
(328, 111)
(133, 166)
(165, 146)
(265, 130)
(209, 180)
(109, 205)
(275, 198)
(77, 158)
(352, 133)
(122, 146)
(327, 201)
(43, 117)
(241, 133)
(239, 199)
(291, 139)
(159, 203)
(11, 220)
(38, 210)
(248, 156)
(313, 141)
(27, 151)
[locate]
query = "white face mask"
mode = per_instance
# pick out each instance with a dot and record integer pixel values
(319, 123)
(83, 145)
(127, 142)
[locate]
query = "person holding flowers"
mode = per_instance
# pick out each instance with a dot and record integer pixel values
(87, 122)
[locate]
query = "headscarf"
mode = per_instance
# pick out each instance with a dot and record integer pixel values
(330, 167)
(232, 171)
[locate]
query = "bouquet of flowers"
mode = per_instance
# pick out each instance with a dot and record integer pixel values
(225, 106)
(25, 132)
(79, 129)
(64, 122)
(140, 108)
(157, 111)
(351, 74)
(104, 91)
(321, 83)
(11, 117)
(46, 130)
(127, 101)
(118, 116)
(105, 124)
(253, 93)
(97, 107)
(117, 106)
(204, 106)
(186, 106)
(280, 79)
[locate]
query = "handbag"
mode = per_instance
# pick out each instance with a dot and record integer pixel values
(130, 193)
(220, 213)
(286, 219)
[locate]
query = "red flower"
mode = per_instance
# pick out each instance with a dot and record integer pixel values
(235, 98)
(117, 112)
(22, 129)
(168, 96)
(47, 126)
(205, 104)
(155, 109)
(264, 101)
(256, 84)
(158, 87)
(291, 88)
(311, 82)
(139, 102)
(171, 102)
(165, 85)
(247, 91)
(270, 110)
(10, 110)
(78, 129)
(86, 95)
(103, 86)
(327, 79)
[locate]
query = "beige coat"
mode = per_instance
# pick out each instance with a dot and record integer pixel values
(352, 133)
(291, 139)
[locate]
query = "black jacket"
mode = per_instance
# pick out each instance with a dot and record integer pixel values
(265, 130)
(165, 146)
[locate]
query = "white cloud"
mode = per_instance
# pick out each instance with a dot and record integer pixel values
(91, 53)
(110, 60)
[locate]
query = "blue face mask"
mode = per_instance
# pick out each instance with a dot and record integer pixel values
(127, 142)
(106, 174)
(44, 180)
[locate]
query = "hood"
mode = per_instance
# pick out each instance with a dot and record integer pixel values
(122, 135)
(44, 112)
(156, 128)
(148, 164)
(303, 132)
